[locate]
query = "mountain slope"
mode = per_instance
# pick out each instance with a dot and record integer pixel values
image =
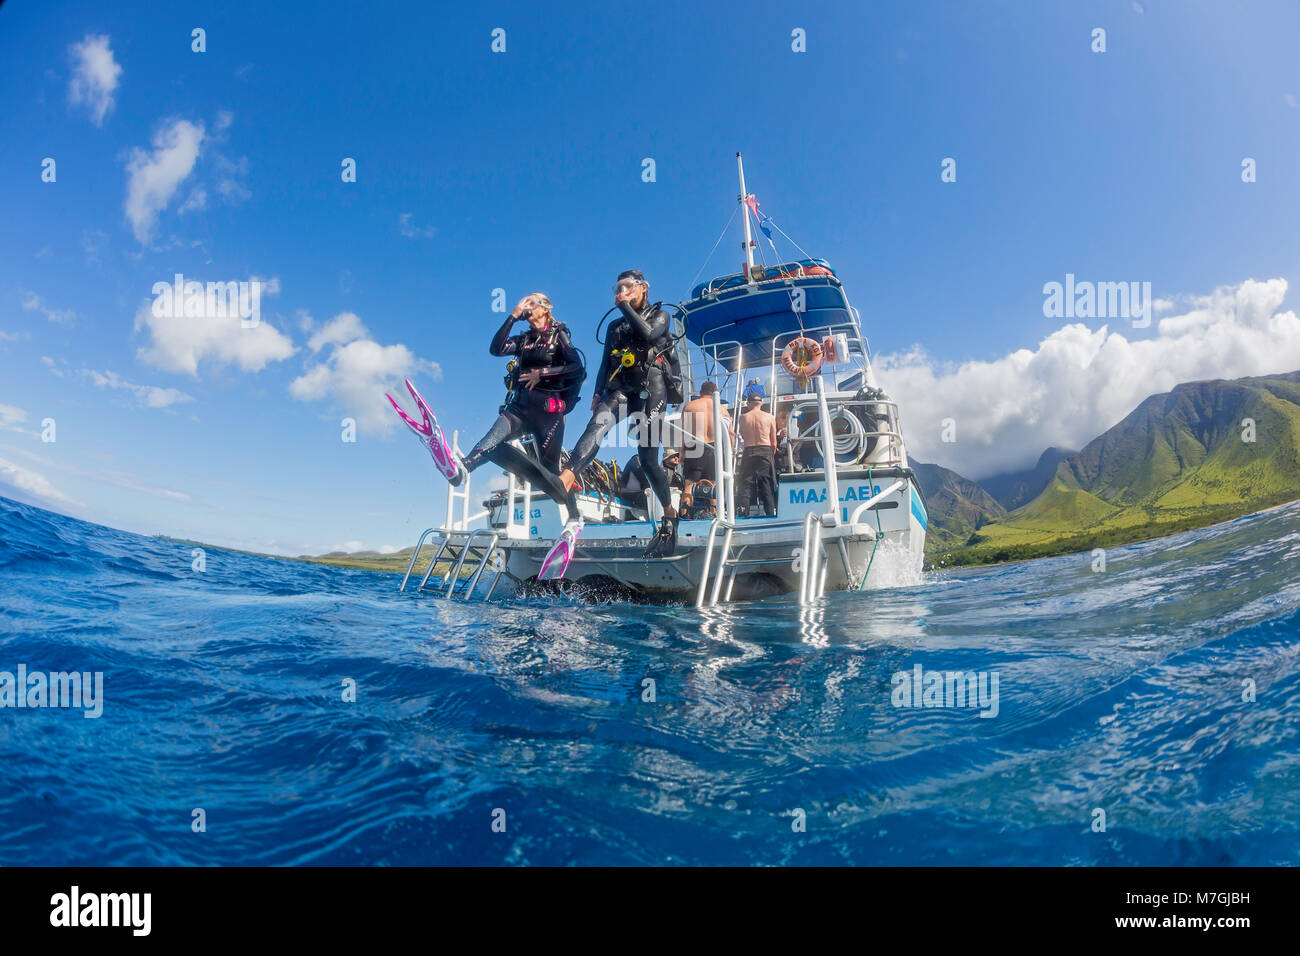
(1181, 459)
(957, 506)
(1016, 488)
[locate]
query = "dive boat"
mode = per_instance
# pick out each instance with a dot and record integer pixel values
(850, 514)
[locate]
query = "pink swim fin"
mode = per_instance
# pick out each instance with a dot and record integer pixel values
(429, 434)
(556, 562)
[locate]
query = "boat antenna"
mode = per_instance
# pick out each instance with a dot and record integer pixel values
(749, 236)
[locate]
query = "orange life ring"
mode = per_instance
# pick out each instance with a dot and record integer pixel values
(802, 358)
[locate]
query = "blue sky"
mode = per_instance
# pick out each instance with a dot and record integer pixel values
(522, 170)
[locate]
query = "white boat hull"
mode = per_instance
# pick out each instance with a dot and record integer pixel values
(887, 543)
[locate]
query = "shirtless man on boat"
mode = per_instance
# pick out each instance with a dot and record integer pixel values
(699, 462)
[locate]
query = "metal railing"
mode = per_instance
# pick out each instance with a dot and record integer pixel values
(464, 544)
(803, 437)
(812, 580)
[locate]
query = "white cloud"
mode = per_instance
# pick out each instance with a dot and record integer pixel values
(11, 415)
(95, 76)
(343, 328)
(1077, 382)
(154, 177)
(355, 376)
(230, 173)
(150, 396)
(197, 202)
(180, 343)
(30, 483)
(34, 303)
(13, 336)
(412, 231)
(103, 476)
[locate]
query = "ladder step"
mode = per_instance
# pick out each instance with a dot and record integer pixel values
(754, 562)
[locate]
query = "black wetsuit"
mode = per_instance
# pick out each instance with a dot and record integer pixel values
(632, 482)
(640, 389)
(538, 411)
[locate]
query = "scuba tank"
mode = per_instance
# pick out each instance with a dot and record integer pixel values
(572, 388)
(875, 418)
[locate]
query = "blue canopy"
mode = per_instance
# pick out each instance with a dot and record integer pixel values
(729, 309)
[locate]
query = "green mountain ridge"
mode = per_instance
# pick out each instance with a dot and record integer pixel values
(1016, 488)
(957, 506)
(1181, 459)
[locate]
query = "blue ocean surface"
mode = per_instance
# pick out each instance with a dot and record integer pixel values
(525, 732)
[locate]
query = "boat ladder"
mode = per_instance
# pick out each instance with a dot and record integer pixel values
(727, 543)
(811, 560)
(454, 548)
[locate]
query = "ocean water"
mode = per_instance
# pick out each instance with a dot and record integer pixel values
(520, 732)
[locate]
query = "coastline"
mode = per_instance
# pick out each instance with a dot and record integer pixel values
(973, 556)
(942, 559)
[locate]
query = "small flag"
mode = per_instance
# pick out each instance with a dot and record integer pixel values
(752, 202)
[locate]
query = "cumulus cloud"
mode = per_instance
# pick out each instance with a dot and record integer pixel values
(357, 372)
(95, 75)
(1079, 382)
(153, 177)
(343, 328)
(150, 396)
(179, 343)
(34, 303)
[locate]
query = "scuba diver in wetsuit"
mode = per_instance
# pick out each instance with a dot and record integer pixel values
(547, 373)
(638, 376)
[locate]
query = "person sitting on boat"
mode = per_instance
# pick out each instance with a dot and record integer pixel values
(632, 481)
(757, 478)
(697, 421)
(547, 374)
(638, 377)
